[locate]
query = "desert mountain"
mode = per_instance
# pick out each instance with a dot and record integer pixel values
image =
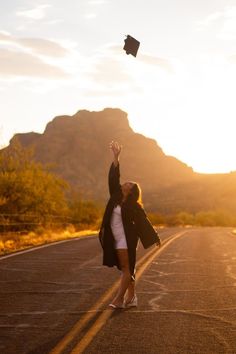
(77, 148)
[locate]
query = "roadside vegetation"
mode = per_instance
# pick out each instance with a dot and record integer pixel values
(38, 207)
(201, 218)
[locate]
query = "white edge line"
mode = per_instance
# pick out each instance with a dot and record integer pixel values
(17, 253)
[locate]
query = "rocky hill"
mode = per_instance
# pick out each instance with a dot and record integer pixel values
(77, 148)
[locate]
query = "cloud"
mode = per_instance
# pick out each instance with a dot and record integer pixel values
(37, 13)
(4, 35)
(55, 22)
(210, 19)
(98, 2)
(19, 64)
(156, 61)
(225, 20)
(44, 46)
(109, 71)
(101, 92)
(90, 16)
(36, 45)
(232, 59)
(228, 31)
(144, 58)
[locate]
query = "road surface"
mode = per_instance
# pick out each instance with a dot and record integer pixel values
(54, 299)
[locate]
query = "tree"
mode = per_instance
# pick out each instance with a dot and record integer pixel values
(83, 213)
(26, 187)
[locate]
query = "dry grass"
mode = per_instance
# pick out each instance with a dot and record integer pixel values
(14, 242)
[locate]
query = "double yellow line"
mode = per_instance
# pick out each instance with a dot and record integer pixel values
(142, 264)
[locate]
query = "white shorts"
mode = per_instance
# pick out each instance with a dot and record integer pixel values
(118, 229)
(120, 243)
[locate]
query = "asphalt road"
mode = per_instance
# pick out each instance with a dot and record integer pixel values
(187, 298)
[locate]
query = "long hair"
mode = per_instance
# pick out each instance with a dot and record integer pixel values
(135, 195)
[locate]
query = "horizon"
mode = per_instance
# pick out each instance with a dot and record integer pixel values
(179, 90)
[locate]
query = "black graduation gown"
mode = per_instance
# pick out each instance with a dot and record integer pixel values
(135, 222)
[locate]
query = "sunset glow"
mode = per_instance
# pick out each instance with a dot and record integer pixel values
(57, 58)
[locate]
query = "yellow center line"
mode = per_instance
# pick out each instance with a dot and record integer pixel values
(84, 320)
(91, 313)
(106, 314)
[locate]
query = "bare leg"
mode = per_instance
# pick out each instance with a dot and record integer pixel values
(125, 279)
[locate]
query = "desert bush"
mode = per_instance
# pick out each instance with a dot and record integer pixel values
(28, 191)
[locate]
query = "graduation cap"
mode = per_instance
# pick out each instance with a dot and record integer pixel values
(131, 45)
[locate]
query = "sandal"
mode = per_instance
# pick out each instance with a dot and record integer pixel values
(115, 307)
(133, 302)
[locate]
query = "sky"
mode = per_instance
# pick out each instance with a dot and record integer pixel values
(58, 57)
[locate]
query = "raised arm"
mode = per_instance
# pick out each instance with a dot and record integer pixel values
(114, 173)
(116, 149)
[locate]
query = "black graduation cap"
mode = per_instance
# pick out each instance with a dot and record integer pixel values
(131, 45)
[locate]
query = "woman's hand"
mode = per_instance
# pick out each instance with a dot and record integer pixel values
(116, 149)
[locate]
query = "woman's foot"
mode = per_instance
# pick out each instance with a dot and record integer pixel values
(121, 306)
(117, 303)
(129, 296)
(133, 302)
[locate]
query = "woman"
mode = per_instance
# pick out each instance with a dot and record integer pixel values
(124, 222)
